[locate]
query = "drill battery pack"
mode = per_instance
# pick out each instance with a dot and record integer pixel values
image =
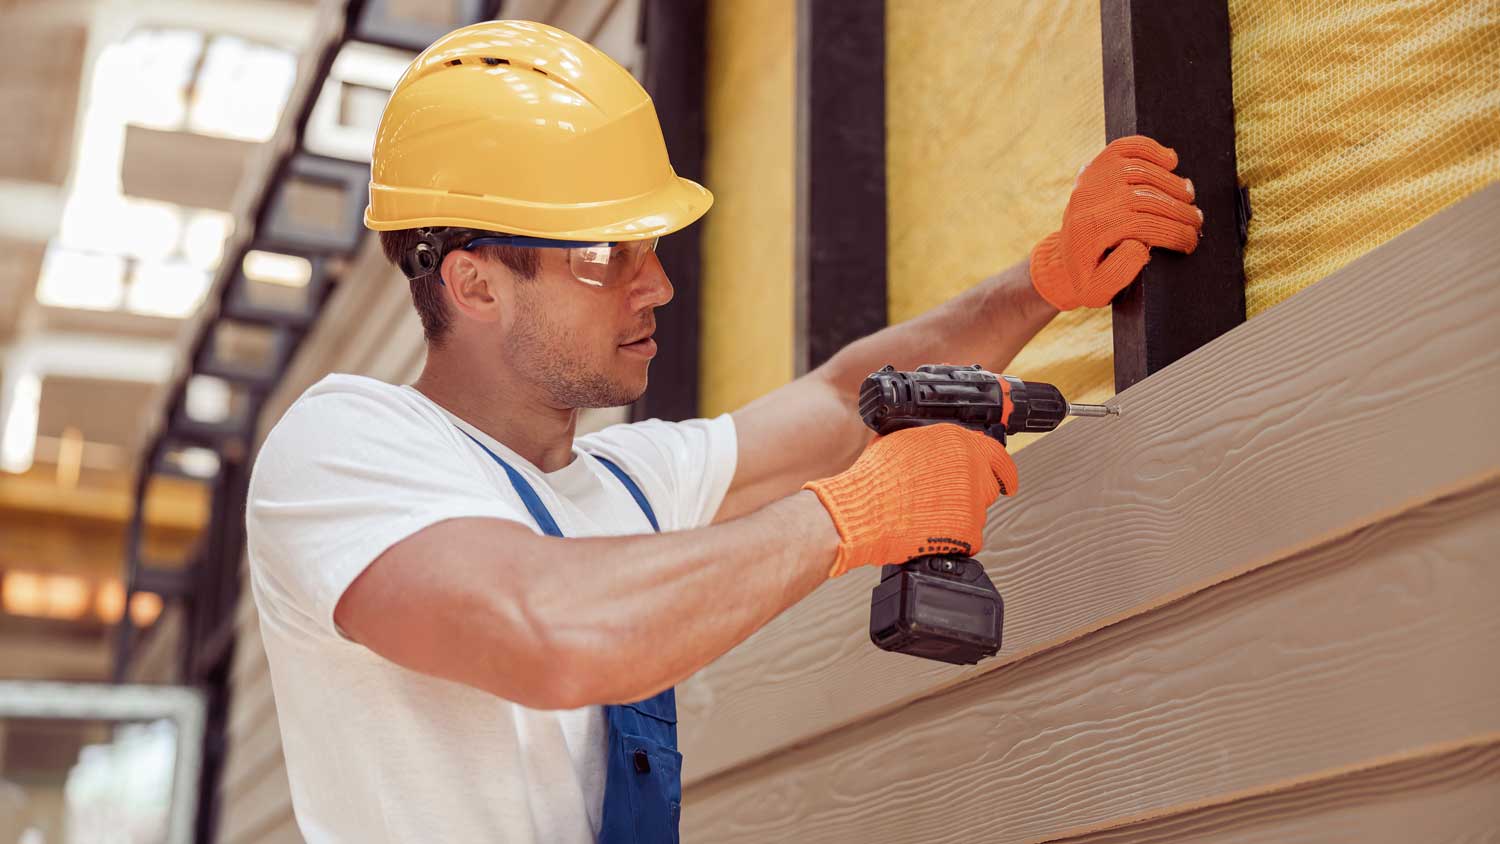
(942, 608)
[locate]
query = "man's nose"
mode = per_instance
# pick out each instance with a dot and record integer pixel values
(651, 287)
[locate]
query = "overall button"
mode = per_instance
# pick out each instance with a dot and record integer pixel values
(642, 762)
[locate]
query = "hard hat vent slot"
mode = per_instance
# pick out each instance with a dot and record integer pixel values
(493, 61)
(455, 61)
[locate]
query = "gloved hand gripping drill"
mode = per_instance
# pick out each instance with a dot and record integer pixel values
(915, 500)
(938, 602)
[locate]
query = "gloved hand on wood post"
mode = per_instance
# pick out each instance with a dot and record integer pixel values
(1125, 201)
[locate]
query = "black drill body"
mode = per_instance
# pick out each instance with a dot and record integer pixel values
(945, 607)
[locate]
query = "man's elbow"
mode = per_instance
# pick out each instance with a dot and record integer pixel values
(533, 663)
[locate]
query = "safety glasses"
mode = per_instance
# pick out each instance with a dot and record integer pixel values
(609, 264)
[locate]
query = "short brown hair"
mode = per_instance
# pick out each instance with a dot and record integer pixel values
(425, 296)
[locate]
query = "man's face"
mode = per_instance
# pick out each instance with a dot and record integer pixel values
(576, 341)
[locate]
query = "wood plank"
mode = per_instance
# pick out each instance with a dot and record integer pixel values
(619, 35)
(258, 707)
(383, 317)
(1366, 647)
(254, 752)
(249, 653)
(393, 353)
(1446, 796)
(1167, 76)
(282, 832)
(263, 804)
(1281, 434)
(841, 192)
(583, 18)
(675, 56)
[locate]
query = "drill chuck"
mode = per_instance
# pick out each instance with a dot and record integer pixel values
(1037, 407)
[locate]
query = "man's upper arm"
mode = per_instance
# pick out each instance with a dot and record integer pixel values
(799, 432)
(447, 603)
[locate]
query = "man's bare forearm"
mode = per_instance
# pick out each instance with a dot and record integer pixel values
(811, 428)
(632, 615)
(987, 324)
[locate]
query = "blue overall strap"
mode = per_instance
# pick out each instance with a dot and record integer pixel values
(635, 491)
(643, 777)
(534, 505)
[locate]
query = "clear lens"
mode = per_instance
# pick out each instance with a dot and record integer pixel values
(602, 265)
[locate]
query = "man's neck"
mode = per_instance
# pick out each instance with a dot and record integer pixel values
(507, 408)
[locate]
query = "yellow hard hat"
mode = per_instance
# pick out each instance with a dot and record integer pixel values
(518, 127)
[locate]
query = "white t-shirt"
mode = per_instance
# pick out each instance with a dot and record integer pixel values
(378, 753)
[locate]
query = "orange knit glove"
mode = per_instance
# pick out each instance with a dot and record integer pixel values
(917, 491)
(1125, 200)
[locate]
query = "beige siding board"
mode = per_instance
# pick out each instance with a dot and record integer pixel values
(1367, 647)
(256, 750)
(248, 684)
(283, 832)
(401, 343)
(264, 804)
(1442, 798)
(249, 655)
(530, 10)
(372, 329)
(617, 35)
(254, 705)
(583, 18)
(1304, 424)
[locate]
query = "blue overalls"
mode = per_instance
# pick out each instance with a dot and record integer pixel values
(643, 784)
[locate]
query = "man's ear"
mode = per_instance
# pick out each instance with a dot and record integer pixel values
(470, 288)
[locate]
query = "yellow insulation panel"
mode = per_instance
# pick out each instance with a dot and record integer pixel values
(747, 316)
(991, 108)
(1354, 121)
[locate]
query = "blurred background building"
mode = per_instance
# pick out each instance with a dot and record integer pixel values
(180, 189)
(181, 183)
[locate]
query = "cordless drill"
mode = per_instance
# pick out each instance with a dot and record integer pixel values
(945, 607)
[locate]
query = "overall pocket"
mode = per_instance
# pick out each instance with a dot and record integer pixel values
(643, 788)
(653, 785)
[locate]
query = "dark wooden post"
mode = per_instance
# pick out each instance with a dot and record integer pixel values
(1167, 75)
(674, 33)
(841, 223)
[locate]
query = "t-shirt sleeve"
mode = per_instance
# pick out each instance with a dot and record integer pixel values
(684, 468)
(341, 478)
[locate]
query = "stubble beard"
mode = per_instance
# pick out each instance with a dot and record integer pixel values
(545, 352)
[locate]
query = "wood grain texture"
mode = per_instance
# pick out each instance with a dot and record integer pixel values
(1365, 395)
(1362, 648)
(1440, 798)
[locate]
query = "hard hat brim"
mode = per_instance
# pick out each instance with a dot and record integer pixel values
(672, 207)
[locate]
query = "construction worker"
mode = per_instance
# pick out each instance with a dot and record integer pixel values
(475, 619)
